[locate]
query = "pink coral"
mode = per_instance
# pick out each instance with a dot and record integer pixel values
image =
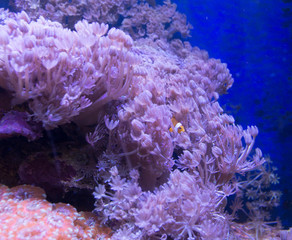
(25, 214)
(62, 72)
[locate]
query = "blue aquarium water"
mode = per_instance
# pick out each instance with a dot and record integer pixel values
(255, 39)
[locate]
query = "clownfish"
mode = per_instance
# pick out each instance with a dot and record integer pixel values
(178, 127)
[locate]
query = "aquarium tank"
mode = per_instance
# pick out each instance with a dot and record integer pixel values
(144, 119)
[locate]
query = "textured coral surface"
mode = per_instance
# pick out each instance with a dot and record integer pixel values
(25, 214)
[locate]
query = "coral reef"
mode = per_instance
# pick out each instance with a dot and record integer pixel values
(25, 214)
(142, 127)
(138, 18)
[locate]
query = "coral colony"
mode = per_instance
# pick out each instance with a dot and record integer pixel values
(104, 102)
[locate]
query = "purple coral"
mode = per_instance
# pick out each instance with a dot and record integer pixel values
(16, 123)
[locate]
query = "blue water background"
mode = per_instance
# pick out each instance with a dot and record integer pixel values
(254, 38)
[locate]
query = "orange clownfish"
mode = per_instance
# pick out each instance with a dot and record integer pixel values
(178, 127)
